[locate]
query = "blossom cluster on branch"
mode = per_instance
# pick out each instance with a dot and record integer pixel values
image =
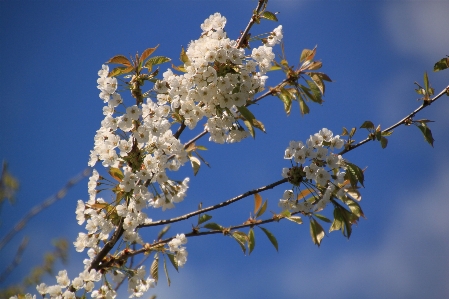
(137, 146)
(217, 81)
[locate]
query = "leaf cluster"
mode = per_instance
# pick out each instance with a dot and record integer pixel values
(376, 133)
(291, 90)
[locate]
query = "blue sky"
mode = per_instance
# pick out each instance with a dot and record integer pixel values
(373, 50)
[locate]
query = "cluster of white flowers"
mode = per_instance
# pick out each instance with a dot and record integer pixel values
(137, 145)
(179, 251)
(322, 163)
(275, 36)
(219, 77)
(106, 84)
(145, 131)
(138, 285)
(67, 288)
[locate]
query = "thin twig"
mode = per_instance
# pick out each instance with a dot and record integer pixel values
(245, 32)
(226, 231)
(186, 145)
(217, 206)
(399, 123)
(272, 91)
(45, 204)
(180, 130)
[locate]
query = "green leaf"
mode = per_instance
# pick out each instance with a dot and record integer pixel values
(354, 174)
(179, 68)
(155, 61)
(286, 98)
(250, 127)
(307, 54)
(367, 125)
(303, 106)
(116, 173)
(284, 63)
(342, 221)
(323, 76)
(338, 221)
(383, 142)
(241, 239)
(257, 202)
(353, 193)
(271, 237)
(269, 16)
(321, 217)
(154, 269)
(201, 148)
(147, 53)
(166, 272)
(426, 82)
(120, 59)
(195, 164)
(183, 56)
(428, 89)
(259, 125)
(286, 213)
(316, 91)
(251, 240)
(213, 226)
(173, 261)
(353, 130)
(353, 206)
(317, 79)
(274, 68)
(316, 65)
(427, 133)
(441, 64)
(203, 218)
(316, 232)
(295, 219)
(263, 209)
(249, 117)
(120, 70)
(246, 113)
(163, 231)
(202, 159)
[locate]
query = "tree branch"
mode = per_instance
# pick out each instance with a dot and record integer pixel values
(108, 246)
(226, 231)
(243, 36)
(401, 122)
(180, 130)
(126, 254)
(218, 206)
